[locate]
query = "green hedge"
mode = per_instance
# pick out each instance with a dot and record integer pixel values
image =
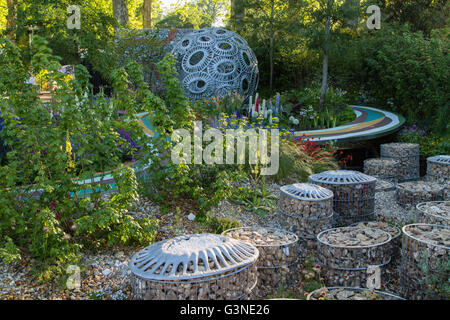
(399, 70)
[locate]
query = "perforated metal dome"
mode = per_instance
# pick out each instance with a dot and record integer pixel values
(442, 159)
(192, 256)
(342, 177)
(306, 191)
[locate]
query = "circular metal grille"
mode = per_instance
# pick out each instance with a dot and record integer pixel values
(442, 159)
(306, 191)
(342, 177)
(192, 256)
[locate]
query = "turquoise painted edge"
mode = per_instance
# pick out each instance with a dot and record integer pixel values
(369, 136)
(378, 134)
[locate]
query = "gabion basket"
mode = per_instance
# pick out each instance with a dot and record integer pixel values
(354, 194)
(306, 209)
(409, 194)
(408, 154)
(438, 170)
(435, 212)
(347, 260)
(425, 270)
(277, 264)
(384, 186)
(351, 293)
(385, 169)
(195, 267)
(396, 242)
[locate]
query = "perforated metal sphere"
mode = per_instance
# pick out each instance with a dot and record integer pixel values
(214, 62)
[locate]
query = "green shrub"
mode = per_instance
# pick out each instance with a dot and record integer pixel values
(430, 143)
(399, 70)
(300, 160)
(219, 225)
(43, 208)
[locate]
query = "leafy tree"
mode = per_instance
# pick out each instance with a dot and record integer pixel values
(421, 15)
(269, 22)
(327, 20)
(188, 16)
(214, 9)
(92, 43)
(195, 14)
(400, 70)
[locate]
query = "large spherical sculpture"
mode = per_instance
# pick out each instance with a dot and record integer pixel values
(215, 62)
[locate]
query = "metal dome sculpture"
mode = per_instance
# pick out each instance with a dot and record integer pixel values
(215, 62)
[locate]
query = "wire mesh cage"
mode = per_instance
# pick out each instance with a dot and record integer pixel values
(277, 264)
(425, 269)
(438, 170)
(195, 267)
(396, 242)
(408, 154)
(351, 293)
(354, 194)
(434, 212)
(385, 169)
(348, 256)
(409, 194)
(306, 209)
(384, 186)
